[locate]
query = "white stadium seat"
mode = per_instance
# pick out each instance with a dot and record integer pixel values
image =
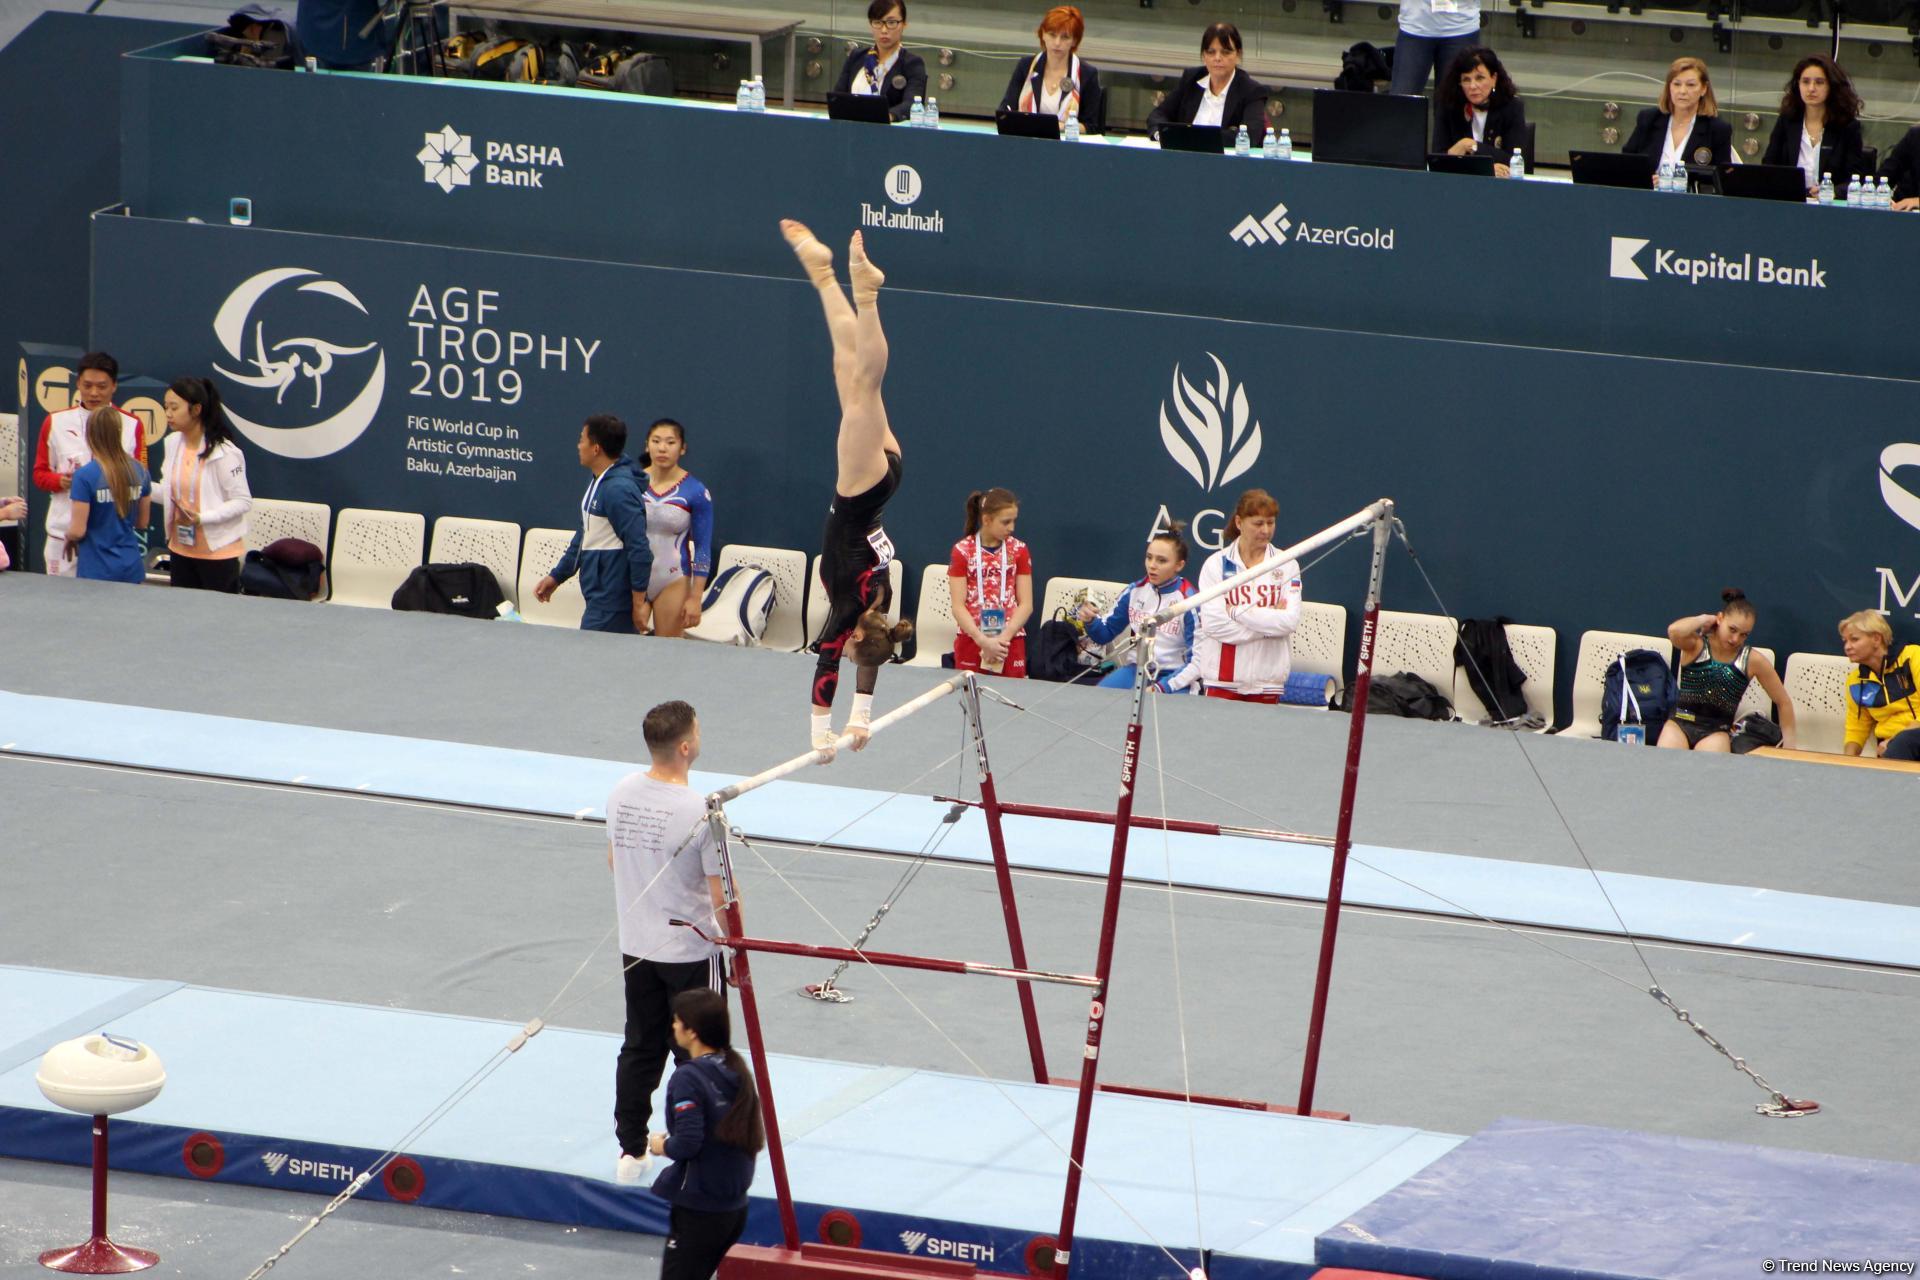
(9, 455)
(1598, 651)
(786, 626)
(933, 625)
(1533, 653)
(1755, 698)
(273, 519)
(1817, 683)
(1319, 645)
(539, 553)
(373, 552)
(1418, 643)
(493, 543)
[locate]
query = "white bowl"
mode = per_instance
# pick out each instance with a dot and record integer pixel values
(100, 1075)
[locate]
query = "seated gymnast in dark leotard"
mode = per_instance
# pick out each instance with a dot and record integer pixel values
(855, 550)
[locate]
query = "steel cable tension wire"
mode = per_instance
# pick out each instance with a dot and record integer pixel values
(1779, 1106)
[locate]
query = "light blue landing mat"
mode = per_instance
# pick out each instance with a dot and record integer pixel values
(1524, 1200)
(303, 1094)
(1734, 916)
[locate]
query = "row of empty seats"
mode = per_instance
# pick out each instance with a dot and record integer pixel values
(372, 552)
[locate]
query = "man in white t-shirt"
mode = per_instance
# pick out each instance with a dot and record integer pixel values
(666, 866)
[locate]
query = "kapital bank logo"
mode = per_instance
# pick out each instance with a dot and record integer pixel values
(1217, 439)
(300, 372)
(1624, 263)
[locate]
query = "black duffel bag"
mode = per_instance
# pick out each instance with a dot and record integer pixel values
(466, 590)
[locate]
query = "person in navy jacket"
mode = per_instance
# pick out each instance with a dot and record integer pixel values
(610, 552)
(1480, 112)
(713, 1132)
(1217, 92)
(885, 68)
(1686, 127)
(1819, 126)
(1055, 80)
(1174, 670)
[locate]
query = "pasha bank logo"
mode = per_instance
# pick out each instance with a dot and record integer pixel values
(281, 390)
(448, 159)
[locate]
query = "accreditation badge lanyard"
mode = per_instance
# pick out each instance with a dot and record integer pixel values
(186, 485)
(1006, 581)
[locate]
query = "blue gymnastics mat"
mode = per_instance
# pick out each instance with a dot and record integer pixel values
(1573, 1202)
(1733, 916)
(302, 1094)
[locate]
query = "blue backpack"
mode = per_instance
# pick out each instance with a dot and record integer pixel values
(1647, 682)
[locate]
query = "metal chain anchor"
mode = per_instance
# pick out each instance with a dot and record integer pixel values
(1782, 1107)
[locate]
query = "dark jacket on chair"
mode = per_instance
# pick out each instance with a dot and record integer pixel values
(1711, 141)
(1246, 104)
(905, 82)
(1902, 165)
(1505, 133)
(1093, 100)
(1842, 151)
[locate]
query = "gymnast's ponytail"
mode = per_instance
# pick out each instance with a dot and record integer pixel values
(704, 1012)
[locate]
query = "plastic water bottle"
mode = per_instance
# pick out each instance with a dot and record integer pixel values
(1826, 188)
(1663, 181)
(1242, 144)
(1883, 195)
(1270, 145)
(1856, 198)
(507, 612)
(759, 87)
(917, 117)
(1517, 167)
(1286, 144)
(1070, 131)
(933, 113)
(743, 98)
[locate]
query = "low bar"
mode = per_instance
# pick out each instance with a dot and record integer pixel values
(842, 743)
(1187, 826)
(896, 960)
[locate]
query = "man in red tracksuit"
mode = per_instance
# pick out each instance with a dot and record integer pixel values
(63, 449)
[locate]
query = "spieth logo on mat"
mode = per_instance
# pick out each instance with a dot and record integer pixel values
(296, 1168)
(902, 186)
(275, 1161)
(1215, 442)
(965, 1250)
(280, 391)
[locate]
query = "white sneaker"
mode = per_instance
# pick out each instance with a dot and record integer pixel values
(631, 1169)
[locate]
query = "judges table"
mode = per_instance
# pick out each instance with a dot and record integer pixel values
(580, 174)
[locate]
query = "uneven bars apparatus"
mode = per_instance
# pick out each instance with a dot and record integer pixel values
(825, 1260)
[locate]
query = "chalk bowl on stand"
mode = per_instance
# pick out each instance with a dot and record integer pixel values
(100, 1075)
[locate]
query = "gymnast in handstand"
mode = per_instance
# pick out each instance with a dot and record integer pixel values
(855, 551)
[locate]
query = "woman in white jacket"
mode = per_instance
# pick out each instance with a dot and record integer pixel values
(1245, 645)
(204, 483)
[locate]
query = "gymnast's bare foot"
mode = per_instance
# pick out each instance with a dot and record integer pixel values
(814, 256)
(867, 278)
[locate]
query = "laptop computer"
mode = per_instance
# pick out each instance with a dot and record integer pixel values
(1611, 169)
(1387, 130)
(1195, 137)
(1764, 182)
(1027, 124)
(867, 108)
(1478, 166)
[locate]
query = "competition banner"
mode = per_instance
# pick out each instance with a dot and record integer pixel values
(1575, 491)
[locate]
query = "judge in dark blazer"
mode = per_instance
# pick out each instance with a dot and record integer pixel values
(1055, 80)
(1902, 169)
(1686, 127)
(1216, 92)
(1480, 112)
(885, 67)
(1819, 125)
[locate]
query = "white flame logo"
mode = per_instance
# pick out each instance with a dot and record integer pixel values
(1902, 501)
(1218, 445)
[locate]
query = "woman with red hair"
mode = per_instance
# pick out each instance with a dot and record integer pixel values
(1055, 81)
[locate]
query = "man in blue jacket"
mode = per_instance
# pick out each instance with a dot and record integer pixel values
(610, 551)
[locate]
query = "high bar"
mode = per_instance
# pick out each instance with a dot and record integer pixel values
(950, 685)
(1378, 511)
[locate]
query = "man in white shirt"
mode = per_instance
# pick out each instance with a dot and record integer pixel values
(63, 450)
(666, 866)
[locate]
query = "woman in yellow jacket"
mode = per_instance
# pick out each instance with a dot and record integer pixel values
(1882, 702)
